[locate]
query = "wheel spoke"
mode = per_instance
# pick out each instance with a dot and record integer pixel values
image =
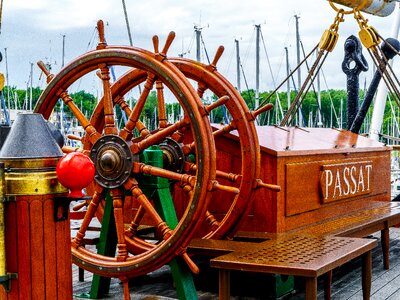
(216, 186)
(236, 178)
(158, 136)
(91, 132)
(143, 131)
(133, 227)
(119, 224)
(268, 186)
(182, 178)
(265, 108)
(225, 130)
(74, 137)
(155, 171)
(212, 221)
(98, 196)
(80, 205)
(213, 66)
(170, 38)
(163, 231)
(69, 149)
(218, 103)
(201, 88)
(66, 98)
(126, 132)
(109, 122)
(162, 116)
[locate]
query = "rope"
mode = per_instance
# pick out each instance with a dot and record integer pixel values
(305, 87)
(290, 75)
(387, 81)
(330, 97)
(245, 82)
(313, 87)
(205, 49)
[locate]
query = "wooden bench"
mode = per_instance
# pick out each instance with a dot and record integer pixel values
(374, 217)
(377, 216)
(306, 256)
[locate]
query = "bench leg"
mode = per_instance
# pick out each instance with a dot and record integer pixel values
(327, 285)
(311, 288)
(385, 246)
(81, 274)
(224, 285)
(366, 275)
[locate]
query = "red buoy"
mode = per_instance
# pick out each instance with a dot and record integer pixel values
(75, 171)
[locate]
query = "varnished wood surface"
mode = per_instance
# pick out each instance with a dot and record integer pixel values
(38, 250)
(299, 255)
(358, 223)
(346, 281)
(304, 256)
(287, 141)
(295, 159)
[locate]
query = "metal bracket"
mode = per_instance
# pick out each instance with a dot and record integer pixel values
(6, 280)
(61, 207)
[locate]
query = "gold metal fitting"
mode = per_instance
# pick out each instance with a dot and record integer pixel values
(32, 177)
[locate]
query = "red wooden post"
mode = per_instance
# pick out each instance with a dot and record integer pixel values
(38, 247)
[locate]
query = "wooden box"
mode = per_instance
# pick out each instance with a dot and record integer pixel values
(322, 172)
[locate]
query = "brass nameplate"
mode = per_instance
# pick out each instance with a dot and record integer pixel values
(340, 181)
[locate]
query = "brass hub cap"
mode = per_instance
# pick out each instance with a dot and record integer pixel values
(113, 161)
(173, 156)
(110, 161)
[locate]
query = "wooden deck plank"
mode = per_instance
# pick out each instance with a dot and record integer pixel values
(395, 295)
(346, 281)
(341, 288)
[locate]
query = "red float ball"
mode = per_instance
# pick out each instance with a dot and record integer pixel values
(75, 171)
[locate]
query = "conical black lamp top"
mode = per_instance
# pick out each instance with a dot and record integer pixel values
(30, 137)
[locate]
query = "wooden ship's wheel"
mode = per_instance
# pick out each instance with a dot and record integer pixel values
(188, 151)
(116, 156)
(207, 77)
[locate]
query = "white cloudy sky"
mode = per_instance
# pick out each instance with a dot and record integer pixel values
(33, 29)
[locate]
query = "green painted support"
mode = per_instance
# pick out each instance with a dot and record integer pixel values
(107, 246)
(157, 189)
(280, 286)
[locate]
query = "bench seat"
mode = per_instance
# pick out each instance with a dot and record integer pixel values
(298, 255)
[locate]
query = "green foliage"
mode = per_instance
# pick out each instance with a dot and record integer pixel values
(85, 101)
(21, 98)
(333, 107)
(330, 104)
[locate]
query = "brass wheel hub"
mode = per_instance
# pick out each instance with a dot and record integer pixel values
(113, 160)
(173, 156)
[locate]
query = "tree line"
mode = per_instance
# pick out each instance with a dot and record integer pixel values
(332, 107)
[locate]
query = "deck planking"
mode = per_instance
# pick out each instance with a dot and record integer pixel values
(346, 281)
